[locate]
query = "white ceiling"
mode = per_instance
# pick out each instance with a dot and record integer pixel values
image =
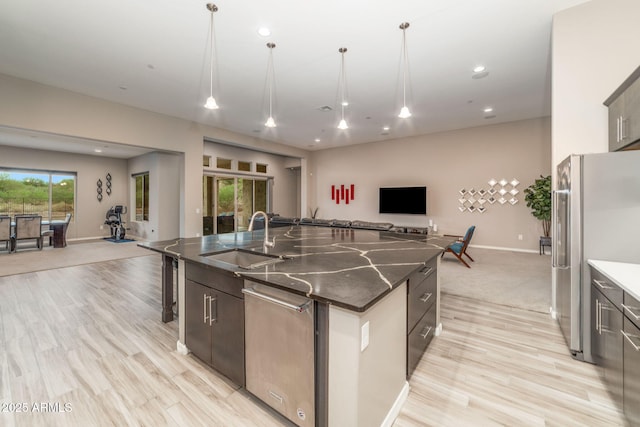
(154, 55)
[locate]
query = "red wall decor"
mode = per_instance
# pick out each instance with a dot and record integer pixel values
(342, 193)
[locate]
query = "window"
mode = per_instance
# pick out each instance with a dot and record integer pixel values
(244, 166)
(49, 194)
(206, 161)
(262, 168)
(142, 196)
(223, 163)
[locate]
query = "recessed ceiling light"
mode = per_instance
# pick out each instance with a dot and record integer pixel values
(386, 128)
(345, 103)
(97, 150)
(479, 69)
(264, 31)
(317, 140)
(488, 109)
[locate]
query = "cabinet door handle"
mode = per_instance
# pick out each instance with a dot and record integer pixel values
(628, 338)
(212, 319)
(204, 308)
(427, 271)
(425, 297)
(424, 333)
(627, 308)
(618, 129)
(602, 284)
(299, 308)
(598, 316)
(276, 396)
(623, 129)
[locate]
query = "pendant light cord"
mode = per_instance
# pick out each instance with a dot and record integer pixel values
(211, 59)
(404, 67)
(270, 77)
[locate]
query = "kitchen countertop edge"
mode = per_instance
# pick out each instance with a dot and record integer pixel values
(623, 274)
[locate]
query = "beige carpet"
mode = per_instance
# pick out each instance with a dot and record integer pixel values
(28, 258)
(514, 279)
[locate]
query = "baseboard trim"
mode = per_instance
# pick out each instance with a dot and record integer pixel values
(97, 238)
(181, 348)
(500, 248)
(397, 406)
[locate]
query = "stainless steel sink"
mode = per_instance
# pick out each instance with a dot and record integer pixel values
(245, 259)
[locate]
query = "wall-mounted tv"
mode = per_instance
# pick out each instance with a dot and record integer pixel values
(403, 200)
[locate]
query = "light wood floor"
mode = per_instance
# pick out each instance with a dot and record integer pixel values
(90, 337)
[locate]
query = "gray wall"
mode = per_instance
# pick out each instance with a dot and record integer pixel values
(444, 162)
(89, 212)
(41, 108)
(164, 196)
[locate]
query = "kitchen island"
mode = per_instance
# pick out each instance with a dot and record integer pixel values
(358, 282)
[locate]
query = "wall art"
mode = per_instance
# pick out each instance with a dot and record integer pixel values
(475, 199)
(342, 193)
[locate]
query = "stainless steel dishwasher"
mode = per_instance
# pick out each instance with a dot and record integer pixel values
(279, 349)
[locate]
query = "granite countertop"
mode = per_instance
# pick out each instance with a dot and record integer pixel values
(349, 268)
(624, 274)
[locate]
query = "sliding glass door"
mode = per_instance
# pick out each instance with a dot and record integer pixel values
(229, 202)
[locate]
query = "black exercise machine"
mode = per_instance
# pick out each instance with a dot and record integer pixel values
(115, 222)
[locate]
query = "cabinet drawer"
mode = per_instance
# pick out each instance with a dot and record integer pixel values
(631, 309)
(609, 289)
(419, 339)
(631, 353)
(215, 278)
(421, 296)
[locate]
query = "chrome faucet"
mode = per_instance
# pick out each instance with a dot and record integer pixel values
(267, 243)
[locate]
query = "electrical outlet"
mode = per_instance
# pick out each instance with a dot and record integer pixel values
(519, 236)
(364, 336)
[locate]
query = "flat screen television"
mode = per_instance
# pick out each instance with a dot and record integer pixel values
(403, 200)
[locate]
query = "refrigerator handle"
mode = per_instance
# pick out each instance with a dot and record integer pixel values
(561, 221)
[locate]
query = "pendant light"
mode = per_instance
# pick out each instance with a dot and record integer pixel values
(270, 123)
(404, 111)
(211, 102)
(342, 83)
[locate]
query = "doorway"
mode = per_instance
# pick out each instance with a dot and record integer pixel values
(229, 202)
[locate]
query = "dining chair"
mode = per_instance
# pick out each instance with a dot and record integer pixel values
(459, 247)
(27, 227)
(5, 231)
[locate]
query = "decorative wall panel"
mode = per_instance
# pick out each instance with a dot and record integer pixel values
(479, 200)
(342, 193)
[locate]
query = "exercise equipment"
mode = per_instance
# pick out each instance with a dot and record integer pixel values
(115, 222)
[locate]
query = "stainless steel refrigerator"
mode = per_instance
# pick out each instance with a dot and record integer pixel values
(597, 216)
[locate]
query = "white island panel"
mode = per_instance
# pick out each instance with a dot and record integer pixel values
(368, 387)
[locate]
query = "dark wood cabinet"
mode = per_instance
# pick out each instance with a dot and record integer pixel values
(606, 342)
(631, 359)
(615, 342)
(422, 294)
(624, 114)
(214, 325)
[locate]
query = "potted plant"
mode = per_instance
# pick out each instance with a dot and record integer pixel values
(538, 198)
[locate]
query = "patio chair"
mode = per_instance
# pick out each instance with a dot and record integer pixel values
(5, 231)
(459, 247)
(28, 227)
